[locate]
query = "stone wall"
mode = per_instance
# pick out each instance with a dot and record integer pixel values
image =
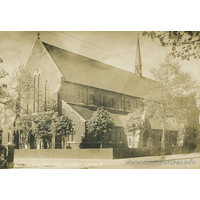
(40, 62)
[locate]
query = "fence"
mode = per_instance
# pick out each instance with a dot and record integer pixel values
(151, 151)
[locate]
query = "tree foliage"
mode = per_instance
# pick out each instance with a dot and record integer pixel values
(22, 89)
(99, 125)
(184, 44)
(190, 135)
(174, 94)
(24, 92)
(44, 126)
(174, 98)
(5, 99)
(3, 73)
(135, 121)
(41, 126)
(61, 125)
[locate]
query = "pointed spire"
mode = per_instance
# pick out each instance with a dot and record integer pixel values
(138, 61)
(38, 34)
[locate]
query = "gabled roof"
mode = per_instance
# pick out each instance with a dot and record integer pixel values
(89, 72)
(157, 125)
(87, 113)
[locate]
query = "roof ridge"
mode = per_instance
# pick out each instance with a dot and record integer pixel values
(91, 59)
(86, 71)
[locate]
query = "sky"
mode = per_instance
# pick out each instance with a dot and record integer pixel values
(117, 48)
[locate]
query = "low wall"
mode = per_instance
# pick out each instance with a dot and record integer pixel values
(104, 153)
(64, 153)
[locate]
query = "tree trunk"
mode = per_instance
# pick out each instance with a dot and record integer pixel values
(163, 144)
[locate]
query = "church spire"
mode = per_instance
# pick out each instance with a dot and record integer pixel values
(38, 34)
(138, 61)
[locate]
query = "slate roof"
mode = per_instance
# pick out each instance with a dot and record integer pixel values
(157, 125)
(86, 71)
(87, 113)
(119, 118)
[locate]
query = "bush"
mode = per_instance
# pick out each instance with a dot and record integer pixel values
(86, 145)
(190, 136)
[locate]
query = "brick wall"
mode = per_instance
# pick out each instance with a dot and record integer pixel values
(76, 93)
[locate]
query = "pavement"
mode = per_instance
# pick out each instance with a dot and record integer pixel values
(136, 162)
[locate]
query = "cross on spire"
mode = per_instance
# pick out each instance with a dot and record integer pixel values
(38, 34)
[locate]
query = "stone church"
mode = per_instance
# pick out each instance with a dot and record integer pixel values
(80, 85)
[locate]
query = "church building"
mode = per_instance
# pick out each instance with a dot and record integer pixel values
(80, 85)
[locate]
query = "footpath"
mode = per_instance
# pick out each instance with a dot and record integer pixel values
(38, 163)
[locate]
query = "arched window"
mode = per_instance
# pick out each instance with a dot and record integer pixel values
(120, 103)
(38, 109)
(34, 95)
(81, 95)
(111, 102)
(91, 98)
(123, 103)
(46, 95)
(103, 100)
(128, 105)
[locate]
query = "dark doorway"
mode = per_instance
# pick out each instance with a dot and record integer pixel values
(145, 138)
(58, 142)
(32, 141)
(16, 139)
(45, 143)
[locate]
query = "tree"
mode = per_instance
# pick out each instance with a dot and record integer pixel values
(61, 126)
(41, 128)
(135, 121)
(4, 95)
(22, 89)
(5, 99)
(171, 96)
(184, 44)
(99, 125)
(175, 96)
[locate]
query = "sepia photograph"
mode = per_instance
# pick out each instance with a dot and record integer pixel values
(99, 100)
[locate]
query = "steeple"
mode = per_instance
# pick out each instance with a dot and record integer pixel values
(138, 61)
(38, 34)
